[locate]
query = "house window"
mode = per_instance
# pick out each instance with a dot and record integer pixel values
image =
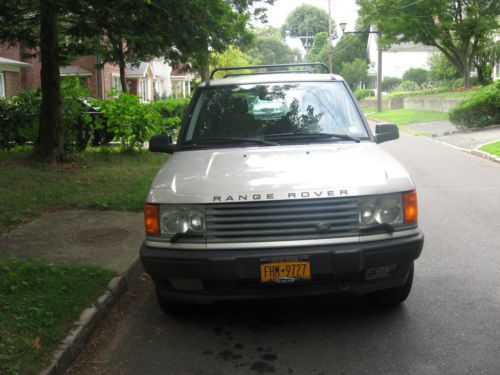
(116, 84)
(2, 86)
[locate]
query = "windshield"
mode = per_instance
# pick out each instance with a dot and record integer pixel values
(268, 111)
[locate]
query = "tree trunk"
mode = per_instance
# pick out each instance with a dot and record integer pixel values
(51, 144)
(123, 67)
(204, 69)
(480, 75)
(466, 73)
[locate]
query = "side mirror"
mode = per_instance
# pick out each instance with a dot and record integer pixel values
(386, 132)
(161, 143)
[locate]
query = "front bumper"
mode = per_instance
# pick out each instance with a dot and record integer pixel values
(235, 274)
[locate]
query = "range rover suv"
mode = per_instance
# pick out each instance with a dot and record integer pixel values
(276, 187)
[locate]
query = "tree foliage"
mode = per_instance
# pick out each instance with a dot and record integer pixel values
(349, 48)
(355, 73)
(305, 21)
(458, 28)
(269, 48)
(418, 75)
(441, 70)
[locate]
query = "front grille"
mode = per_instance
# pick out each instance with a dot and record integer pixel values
(282, 220)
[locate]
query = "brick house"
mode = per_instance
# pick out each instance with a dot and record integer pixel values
(19, 71)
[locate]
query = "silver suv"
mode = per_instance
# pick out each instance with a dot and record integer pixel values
(277, 187)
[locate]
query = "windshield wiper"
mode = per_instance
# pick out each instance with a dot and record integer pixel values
(297, 135)
(233, 140)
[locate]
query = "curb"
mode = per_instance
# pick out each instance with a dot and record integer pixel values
(89, 320)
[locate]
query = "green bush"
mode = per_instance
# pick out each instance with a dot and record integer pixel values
(173, 107)
(481, 109)
(428, 91)
(76, 118)
(19, 118)
(131, 121)
(408, 86)
(417, 75)
(363, 93)
(390, 83)
(442, 71)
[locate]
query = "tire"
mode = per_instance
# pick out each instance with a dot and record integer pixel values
(174, 307)
(394, 296)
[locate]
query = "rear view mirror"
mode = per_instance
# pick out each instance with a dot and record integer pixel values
(386, 132)
(161, 143)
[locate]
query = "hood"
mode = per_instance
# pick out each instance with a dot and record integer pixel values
(278, 172)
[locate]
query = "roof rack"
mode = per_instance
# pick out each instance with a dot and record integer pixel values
(269, 72)
(256, 67)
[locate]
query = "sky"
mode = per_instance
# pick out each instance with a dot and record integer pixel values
(342, 11)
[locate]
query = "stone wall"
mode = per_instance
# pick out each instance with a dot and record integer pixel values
(421, 103)
(431, 103)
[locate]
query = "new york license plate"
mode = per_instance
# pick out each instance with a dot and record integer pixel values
(285, 271)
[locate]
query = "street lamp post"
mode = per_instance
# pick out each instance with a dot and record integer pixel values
(330, 62)
(379, 61)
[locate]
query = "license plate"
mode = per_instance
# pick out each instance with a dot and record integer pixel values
(285, 271)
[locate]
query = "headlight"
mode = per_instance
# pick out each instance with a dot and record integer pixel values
(386, 209)
(181, 219)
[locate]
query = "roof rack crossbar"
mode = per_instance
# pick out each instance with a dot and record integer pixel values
(255, 67)
(269, 72)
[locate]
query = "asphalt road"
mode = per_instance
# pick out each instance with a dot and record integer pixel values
(449, 325)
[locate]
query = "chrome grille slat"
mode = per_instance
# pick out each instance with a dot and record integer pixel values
(276, 210)
(256, 218)
(293, 222)
(281, 220)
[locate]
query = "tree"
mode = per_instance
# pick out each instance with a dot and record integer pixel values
(232, 56)
(456, 27)
(230, 28)
(355, 72)
(441, 69)
(305, 22)
(319, 49)
(349, 48)
(417, 75)
(38, 25)
(486, 59)
(268, 48)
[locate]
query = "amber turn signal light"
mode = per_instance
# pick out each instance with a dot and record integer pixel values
(151, 218)
(410, 208)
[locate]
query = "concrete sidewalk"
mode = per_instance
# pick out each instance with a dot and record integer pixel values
(446, 132)
(108, 239)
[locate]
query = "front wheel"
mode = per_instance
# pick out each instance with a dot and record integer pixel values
(394, 296)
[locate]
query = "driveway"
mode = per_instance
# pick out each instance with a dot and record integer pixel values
(449, 325)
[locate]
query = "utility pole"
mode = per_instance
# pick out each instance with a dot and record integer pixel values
(330, 63)
(379, 59)
(379, 75)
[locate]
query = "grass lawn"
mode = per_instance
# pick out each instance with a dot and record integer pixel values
(492, 148)
(99, 180)
(38, 303)
(408, 116)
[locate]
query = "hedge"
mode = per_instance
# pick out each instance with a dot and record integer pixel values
(363, 93)
(481, 109)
